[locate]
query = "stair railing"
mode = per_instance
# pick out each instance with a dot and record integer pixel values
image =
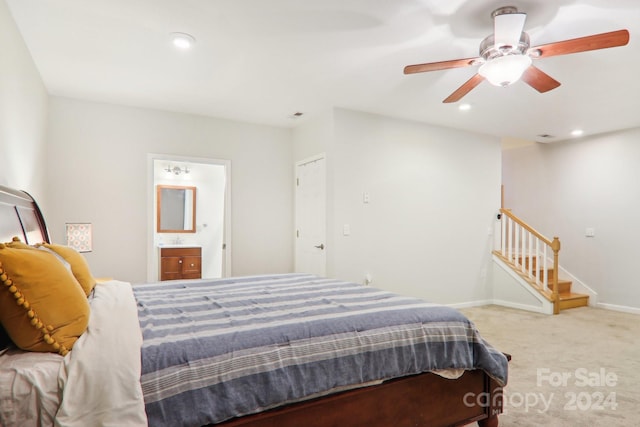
(527, 251)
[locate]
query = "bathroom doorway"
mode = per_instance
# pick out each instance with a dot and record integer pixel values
(211, 179)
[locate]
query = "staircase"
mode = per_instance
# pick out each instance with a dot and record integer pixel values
(535, 259)
(570, 299)
(566, 298)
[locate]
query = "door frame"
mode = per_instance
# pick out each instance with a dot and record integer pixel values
(152, 251)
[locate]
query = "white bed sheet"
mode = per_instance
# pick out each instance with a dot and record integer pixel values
(101, 375)
(29, 393)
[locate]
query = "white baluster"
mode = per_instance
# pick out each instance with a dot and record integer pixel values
(545, 282)
(510, 247)
(503, 243)
(516, 244)
(530, 254)
(522, 254)
(538, 278)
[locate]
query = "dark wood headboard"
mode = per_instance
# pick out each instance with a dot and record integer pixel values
(20, 216)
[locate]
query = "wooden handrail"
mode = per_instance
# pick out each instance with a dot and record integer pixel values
(516, 243)
(527, 227)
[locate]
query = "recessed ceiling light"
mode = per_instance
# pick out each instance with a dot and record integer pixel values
(464, 107)
(577, 132)
(182, 40)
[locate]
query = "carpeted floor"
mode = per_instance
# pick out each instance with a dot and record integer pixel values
(578, 368)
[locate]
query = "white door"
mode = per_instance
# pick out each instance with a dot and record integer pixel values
(311, 216)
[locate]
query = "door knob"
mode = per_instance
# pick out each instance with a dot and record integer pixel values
(320, 246)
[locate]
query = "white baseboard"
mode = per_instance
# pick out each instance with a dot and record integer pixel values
(502, 303)
(480, 303)
(470, 304)
(545, 309)
(622, 308)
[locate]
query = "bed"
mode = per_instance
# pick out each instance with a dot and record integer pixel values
(270, 350)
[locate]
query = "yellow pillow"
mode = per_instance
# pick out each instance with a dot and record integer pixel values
(42, 306)
(16, 243)
(79, 266)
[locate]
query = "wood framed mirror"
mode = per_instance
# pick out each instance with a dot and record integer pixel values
(175, 209)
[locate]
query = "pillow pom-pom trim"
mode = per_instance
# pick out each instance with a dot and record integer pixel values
(35, 321)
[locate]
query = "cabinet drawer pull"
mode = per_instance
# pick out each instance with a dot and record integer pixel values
(180, 262)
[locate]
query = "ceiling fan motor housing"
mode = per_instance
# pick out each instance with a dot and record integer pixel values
(504, 11)
(488, 49)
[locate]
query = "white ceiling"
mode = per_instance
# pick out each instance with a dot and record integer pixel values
(263, 60)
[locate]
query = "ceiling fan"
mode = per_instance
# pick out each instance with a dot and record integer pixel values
(505, 56)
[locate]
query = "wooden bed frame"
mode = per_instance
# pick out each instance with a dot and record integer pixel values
(425, 400)
(420, 400)
(20, 216)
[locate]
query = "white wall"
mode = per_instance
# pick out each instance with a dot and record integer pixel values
(564, 188)
(23, 113)
(313, 136)
(98, 174)
(433, 196)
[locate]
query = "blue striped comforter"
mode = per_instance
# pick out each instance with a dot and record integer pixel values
(216, 349)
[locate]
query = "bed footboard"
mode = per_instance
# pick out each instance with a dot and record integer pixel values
(420, 400)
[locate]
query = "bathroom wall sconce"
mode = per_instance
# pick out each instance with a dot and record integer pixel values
(177, 170)
(79, 236)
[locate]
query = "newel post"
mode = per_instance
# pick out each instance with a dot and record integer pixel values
(555, 246)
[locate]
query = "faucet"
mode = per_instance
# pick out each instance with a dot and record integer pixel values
(177, 240)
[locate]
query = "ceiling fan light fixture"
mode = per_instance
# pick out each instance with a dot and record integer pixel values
(505, 70)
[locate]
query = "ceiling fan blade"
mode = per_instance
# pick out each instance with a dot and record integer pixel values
(582, 44)
(539, 80)
(435, 66)
(464, 89)
(507, 28)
